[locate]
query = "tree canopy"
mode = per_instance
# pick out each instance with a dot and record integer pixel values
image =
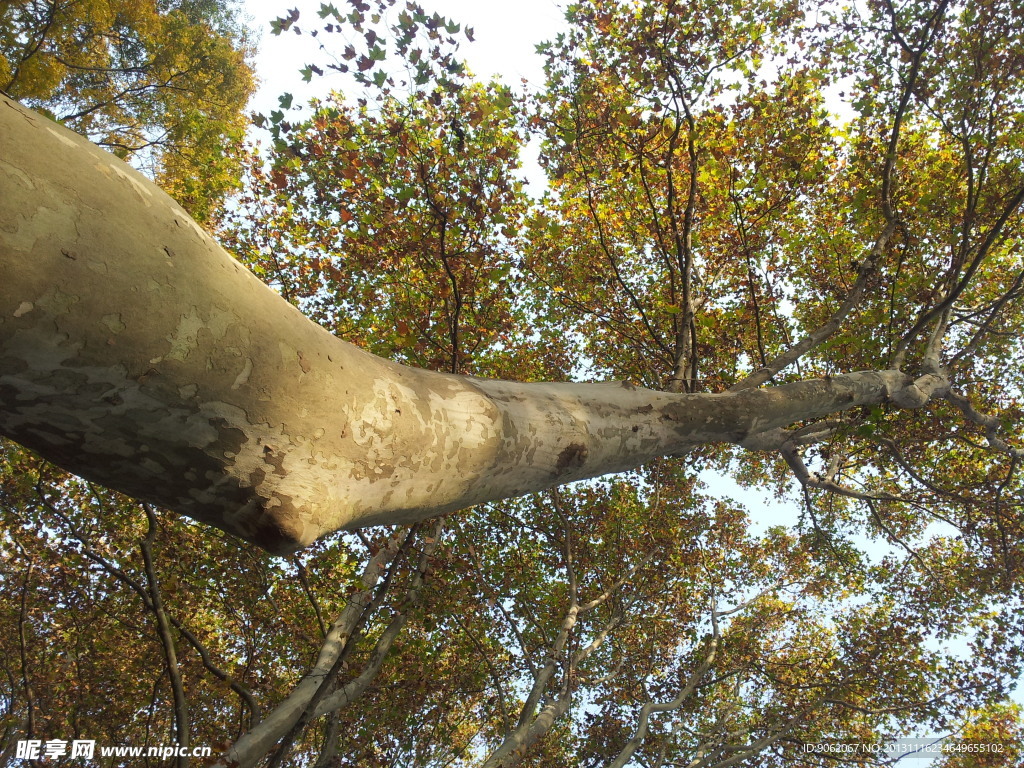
(772, 197)
(164, 82)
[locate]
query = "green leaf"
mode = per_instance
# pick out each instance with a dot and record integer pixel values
(328, 9)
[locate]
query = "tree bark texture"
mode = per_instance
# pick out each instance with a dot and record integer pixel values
(135, 352)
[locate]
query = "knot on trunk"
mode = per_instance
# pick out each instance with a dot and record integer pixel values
(918, 392)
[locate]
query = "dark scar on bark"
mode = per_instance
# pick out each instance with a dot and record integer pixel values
(572, 456)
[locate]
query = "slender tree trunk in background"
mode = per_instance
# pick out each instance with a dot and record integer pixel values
(134, 351)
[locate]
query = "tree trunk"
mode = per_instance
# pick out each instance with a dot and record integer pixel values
(135, 352)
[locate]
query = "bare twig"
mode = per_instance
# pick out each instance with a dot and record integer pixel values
(181, 717)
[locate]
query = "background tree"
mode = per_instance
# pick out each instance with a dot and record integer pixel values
(711, 226)
(989, 737)
(163, 84)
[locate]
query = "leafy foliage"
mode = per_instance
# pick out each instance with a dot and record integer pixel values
(737, 195)
(396, 226)
(163, 83)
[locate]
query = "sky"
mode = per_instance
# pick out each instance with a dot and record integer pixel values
(505, 33)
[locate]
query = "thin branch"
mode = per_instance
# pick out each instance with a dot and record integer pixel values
(990, 424)
(506, 719)
(23, 653)
(651, 707)
(339, 644)
(354, 689)
(983, 251)
(181, 718)
(858, 292)
(308, 591)
(993, 310)
(91, 554)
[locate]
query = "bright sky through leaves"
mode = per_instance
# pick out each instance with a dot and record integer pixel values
(505, 35)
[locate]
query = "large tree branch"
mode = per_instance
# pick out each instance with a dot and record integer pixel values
(281, 724)
(136, 352)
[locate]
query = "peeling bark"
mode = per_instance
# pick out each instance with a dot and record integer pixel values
(135, 352)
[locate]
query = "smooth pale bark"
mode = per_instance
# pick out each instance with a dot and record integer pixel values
(135, 352)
